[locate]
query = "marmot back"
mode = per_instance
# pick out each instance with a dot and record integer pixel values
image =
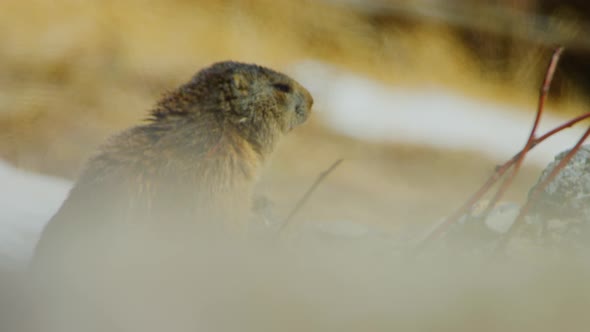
(189, 169)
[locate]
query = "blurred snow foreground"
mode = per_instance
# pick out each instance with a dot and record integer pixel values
(431, 116)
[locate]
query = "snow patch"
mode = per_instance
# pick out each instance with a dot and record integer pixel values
(27, 202)
(432, 116)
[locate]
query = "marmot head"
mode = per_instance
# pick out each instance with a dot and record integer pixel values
(247, 96)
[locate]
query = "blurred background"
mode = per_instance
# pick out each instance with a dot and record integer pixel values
(422, 98)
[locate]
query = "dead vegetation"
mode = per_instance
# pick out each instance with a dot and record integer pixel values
(514, 164)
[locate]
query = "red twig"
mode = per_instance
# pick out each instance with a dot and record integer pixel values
(497, 174)
(561, 127)
(540, 108)
(516, 160)
(538, 190)
(490, 182)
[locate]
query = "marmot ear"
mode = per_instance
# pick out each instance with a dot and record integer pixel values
(239, 81)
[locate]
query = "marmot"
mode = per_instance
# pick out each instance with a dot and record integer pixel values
(189, 169)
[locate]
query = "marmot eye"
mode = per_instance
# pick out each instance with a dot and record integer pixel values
(282, 87)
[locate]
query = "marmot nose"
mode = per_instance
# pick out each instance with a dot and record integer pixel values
(306, 98)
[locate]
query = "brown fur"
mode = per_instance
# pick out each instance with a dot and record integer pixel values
(189, 170)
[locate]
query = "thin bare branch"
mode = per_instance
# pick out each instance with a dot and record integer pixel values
(561, 127)
(492, 179)
(286, 224)
(516, 160)
(531, 140)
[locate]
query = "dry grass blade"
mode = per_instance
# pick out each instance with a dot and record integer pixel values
(286, 224)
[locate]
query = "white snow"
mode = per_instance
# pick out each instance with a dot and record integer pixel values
(430, 115)
(27, 202)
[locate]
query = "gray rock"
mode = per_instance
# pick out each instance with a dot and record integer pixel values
(568, 195)
(560, 218)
